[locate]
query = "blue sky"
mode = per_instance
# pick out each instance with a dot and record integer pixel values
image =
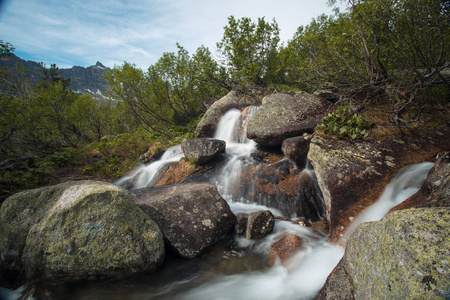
(82, 32)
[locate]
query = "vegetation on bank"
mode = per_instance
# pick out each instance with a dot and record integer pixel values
(386, 60)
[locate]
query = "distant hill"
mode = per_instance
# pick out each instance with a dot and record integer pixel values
(82, 80)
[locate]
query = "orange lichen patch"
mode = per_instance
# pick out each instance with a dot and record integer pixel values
(177, 172)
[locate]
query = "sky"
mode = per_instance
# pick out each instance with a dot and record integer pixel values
(82, 32)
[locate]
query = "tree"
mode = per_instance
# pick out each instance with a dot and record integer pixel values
(172, 90)
(52, 75)
(249, 50)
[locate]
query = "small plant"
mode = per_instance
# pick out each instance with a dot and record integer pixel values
(345, 124)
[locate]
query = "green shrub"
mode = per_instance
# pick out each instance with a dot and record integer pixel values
(345, 124)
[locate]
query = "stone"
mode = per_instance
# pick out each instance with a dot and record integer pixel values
(283, 249)
(202, 151)
(282, 116)
(260, 224)
(403, 256)
(81, 229)
(329, 94)
(296, 148)
(241, 224)
(192, 217)
(338, 285)
(350, 177)
(234, 99)
(321, 225)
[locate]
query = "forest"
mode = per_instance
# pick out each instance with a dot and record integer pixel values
(391, 57)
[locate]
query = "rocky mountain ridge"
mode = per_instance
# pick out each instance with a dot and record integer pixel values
(83, 80)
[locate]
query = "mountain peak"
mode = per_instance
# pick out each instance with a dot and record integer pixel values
(100, 65)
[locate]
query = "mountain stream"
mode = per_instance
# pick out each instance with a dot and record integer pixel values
(236, 268)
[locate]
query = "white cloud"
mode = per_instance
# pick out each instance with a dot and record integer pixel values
(80, 32)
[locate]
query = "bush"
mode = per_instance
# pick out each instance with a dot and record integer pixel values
(345, 124)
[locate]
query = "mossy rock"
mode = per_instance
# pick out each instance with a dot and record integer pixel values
(403, 256)
(282, 116)
(83, 229)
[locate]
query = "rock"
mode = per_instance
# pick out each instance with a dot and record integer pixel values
(259, 224)
(435, 191)
(403, 256)
(285, 248)
(79, 229)
(322, 225)
(329, 94)
(192, 217)
(202, 151)
(338, 285)
(241, 224)
(282, 116)
(296, 148)
(208, 124)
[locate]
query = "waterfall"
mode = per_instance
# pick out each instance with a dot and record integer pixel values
(405, 184)
(240, 181)
(144, 175)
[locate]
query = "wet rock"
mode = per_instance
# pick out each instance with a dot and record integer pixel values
(296, 148)
(234, 99)
(321, 225)
(282, 116)
(202, 151)
(259, 225)
(338, 285)
(281, 186)
(403, 256)
(80, 229)
(192, 217)
(241, 224)
(285, 248)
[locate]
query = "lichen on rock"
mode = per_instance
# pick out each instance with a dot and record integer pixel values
(85, 229)
(403, 256)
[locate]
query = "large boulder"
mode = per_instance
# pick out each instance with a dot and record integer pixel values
(202, 151)
(82, 229)
(283, 115)
(403, 256)
(234, 99)
(192, 217)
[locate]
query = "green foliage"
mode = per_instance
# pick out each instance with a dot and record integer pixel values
(171, 92)
(345, 124)
(250, 50)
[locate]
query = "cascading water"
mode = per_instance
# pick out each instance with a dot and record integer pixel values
(405, 184)
(145, 174)
(238, 271)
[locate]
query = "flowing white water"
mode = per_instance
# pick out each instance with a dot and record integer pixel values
(146, 173)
